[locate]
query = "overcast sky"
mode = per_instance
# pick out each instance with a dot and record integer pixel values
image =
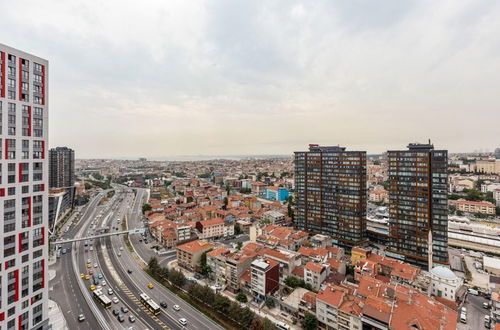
(162, 78)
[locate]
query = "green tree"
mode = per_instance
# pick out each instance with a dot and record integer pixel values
(146, 207)
(153, 265)
(225, 201)
(221, 304)
(177, 278)
(237, 229)
(460, 213)
(239, 245)
(269, 303)
(205, 269)
(241, 297)
(310, 322)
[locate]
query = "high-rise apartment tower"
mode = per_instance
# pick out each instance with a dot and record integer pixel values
(23, 190)
(61, 167)
(418, 203)
(330, 191)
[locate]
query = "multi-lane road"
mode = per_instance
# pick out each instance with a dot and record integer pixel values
(121, 269)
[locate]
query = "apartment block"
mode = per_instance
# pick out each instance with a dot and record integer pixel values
(23, 190)
(476, 207)
(330, 185)
(62, 167)
(212, 228)
(189, 254)
(418, 202)
(265, 276)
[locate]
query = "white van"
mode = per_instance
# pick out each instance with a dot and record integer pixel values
(282, 325)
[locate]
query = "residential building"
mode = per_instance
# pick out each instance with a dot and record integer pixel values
(320, 240)
(61, 201)
(330, 185)
(491, 265)
(189, 254)
(213, 228)
(274, 218)
(183, 233)
(62, 167)
(276, 193)
(482, 207)
(315, 274)
(418, 203)
(23, 190)
(265, 277)
(495, 306)
(378, 196)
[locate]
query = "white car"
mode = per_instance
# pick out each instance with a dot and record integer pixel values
(121, 248)
(183, 321)
(176, 307)
(95, 265)
(110, 291)
(103, 283)
(115, 300)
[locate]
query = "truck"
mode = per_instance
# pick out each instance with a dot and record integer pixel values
(474, 292)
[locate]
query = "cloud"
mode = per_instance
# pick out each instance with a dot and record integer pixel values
(239, 77)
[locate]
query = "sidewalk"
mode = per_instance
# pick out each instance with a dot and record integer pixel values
(56, 317)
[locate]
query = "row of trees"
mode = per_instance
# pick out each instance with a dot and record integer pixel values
(234, 311)
(295, 282)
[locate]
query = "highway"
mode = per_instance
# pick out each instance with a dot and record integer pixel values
(114, 260)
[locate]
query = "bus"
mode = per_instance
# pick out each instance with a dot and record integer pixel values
(149, 303)
(101, 298)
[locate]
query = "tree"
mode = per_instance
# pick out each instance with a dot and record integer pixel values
(460, 213)
(146, 207)
(241, 297)
(221, 304)
(239, 245)
(310, 322)
(226, 201)
(237, 229)
(205, 269)
(153, 265)
(177, 278)
(269, 303)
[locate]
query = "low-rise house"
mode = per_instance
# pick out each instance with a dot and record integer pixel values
(475, 207)
(265, 278)
(213, 228)
(189, 254)
(315, 274)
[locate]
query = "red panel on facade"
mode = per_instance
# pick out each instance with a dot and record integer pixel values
(43, 273)
(20, 171)
(20, 242)
(29, 211)
(4, 79)
(2, 316)
(43, 149)
(20, 322)
(2, 192)
(43, 186)
(20, 79)
(6, 149)
(16, 285)
(6, 265)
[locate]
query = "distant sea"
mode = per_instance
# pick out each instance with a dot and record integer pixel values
(191, 158)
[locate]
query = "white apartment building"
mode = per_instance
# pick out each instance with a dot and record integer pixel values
(23, 190)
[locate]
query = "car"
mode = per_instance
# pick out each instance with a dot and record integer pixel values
(115, 300)
(463, 310)
(92, 287)
(183, 321)
(91, 248)
(198, 276)
(89, 265)
(110, 291)
(487, 321)
(121, 248)
(81, 318)
(98, 287)
(486, 305)
(119, 254)
(150, 285)
(99, 275)
(129, 271)
(87, 277)
(124, 309)
(82, 275)
(91, 272)
(131, 318)
(89, 261)
(116, 312)
(120, 318)
(176, 307)
(163, 304)
(463, 318)
(103, 283)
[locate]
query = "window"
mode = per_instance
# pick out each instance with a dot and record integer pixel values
(12, 83)
(38, 111)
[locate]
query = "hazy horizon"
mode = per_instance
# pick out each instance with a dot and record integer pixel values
(263, 77)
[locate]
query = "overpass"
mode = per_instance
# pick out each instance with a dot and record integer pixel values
(71, 240)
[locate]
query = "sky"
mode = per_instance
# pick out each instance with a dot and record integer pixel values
(162, 78)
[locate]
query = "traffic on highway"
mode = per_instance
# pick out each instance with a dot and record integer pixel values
(106, 275)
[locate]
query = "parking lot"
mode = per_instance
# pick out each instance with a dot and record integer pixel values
(475, 313)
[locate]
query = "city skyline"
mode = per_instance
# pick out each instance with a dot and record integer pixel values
(195, 78)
